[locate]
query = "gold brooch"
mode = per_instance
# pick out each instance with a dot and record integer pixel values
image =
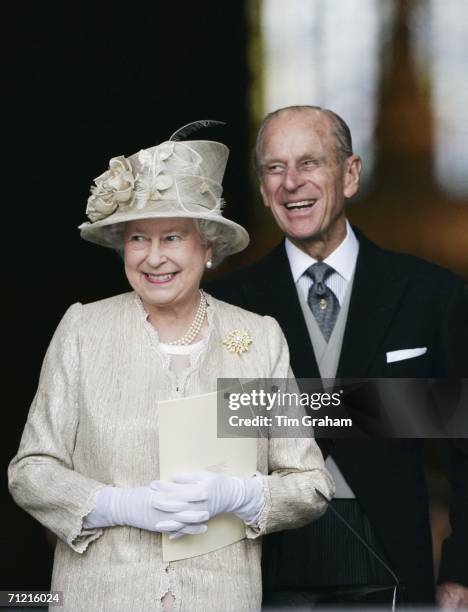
(238, 341)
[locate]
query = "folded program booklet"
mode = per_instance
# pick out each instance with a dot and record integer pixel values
(188, 442)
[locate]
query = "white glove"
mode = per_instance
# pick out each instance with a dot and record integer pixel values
(134, 507)
(212, 493)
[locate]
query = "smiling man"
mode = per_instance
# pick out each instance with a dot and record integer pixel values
(351, 309)
(307, 170)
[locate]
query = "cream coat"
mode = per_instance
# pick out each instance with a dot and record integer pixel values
(93, 423)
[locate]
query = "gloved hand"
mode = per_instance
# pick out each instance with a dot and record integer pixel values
(135, 507)
(212, 493)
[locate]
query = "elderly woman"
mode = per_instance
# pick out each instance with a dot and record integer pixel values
(88, 464)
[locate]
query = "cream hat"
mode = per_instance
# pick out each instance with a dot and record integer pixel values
(173, 179)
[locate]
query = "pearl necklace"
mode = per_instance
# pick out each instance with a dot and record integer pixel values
(196, 326)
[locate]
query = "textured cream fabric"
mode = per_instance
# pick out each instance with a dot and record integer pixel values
(94, 422)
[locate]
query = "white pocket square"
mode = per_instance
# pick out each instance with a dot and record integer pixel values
(405, 354)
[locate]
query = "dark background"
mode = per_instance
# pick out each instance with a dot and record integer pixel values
(86, 81)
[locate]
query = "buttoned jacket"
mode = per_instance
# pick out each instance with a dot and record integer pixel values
(398, 302)
(94, 422)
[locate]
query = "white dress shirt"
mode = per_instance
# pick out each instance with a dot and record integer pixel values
(342, 260)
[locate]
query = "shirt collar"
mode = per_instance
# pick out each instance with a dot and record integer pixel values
(342, 260)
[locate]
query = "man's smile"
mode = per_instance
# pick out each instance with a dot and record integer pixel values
(300, 204)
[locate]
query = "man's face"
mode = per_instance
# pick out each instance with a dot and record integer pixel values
(302, 180)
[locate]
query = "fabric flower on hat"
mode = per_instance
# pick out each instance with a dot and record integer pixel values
(153, 160)
(113, 189)
(149, 185)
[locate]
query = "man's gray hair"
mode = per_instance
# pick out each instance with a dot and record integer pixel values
(340, 131)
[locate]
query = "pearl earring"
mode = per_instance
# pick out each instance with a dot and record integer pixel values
(209, 264)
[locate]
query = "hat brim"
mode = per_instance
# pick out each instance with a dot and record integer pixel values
(100, 232)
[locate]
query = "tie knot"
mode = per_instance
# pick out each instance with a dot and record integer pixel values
(319, 271)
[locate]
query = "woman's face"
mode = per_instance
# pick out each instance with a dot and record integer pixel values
(164, 260)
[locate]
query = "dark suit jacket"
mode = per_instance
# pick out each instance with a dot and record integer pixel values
(398, 301)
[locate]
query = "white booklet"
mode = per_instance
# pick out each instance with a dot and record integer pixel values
(188, 442)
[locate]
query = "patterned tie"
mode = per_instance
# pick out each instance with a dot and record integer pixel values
(321, 299)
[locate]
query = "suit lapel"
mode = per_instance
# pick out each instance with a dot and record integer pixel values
(273, 292)
(375, 296)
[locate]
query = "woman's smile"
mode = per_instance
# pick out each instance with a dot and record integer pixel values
(159, 279)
